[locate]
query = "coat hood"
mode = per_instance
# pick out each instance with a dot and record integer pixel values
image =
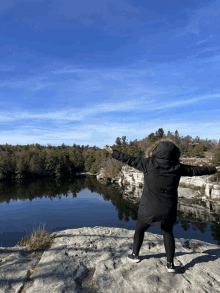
(165, 153)
(166, 150)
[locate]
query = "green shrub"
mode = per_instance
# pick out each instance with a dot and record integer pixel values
(215, 177)
(117, 169)
(198, 151)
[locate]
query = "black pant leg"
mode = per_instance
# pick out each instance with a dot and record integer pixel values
(141, 227)
(169, 242)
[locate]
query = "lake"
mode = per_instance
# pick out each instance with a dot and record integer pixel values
(80, 201)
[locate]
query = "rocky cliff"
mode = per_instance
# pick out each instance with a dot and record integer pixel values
(95, 260)
(206, 209)
(134, 177)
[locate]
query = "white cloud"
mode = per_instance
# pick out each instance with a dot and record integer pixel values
(203, 17)
(141, 104)
(202, 41)
(106, 134)
(34, 83)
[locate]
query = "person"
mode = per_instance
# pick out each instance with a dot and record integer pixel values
(158, 204)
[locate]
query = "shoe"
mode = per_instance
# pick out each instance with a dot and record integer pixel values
(134, 258)
(171, 267)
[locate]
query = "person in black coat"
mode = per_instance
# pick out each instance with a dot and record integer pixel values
(158, 204)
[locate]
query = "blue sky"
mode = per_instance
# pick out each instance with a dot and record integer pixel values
(87, 72)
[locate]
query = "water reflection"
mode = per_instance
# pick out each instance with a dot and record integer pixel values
(82, 201)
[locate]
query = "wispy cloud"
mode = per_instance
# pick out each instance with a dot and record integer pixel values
(36, 26)
(200, 42)
(203, 17)
(88, 73)
(79, 114)
(35, 83)
(102, 134)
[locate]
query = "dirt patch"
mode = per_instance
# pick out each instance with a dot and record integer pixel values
(88, 282)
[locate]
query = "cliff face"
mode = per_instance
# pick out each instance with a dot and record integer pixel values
(129, 176)
(133, 181)
(133, 177)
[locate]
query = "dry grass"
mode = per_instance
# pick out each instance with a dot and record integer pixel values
(198, 196)
(216, 200)
(39, 240)
(194, 187)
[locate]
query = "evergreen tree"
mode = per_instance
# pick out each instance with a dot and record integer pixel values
(34, 163)
(198, 151)
(37, 146)
(20, 168)
(134, 150)
(176, 134)
(169, 135)
(7, 165)
(50, 162)
(187, 139)
(183, 150)
(118, 141)
(124, 142)
(160, 133)
(152, 138)
(216, 162)
(58, 170)
(176, 137)
(216, 158)
(197, 139)
(89, 162)
(93, 169)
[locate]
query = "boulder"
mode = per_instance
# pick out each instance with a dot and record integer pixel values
(95, 260)
(101, 174)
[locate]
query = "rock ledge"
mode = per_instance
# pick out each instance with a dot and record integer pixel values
(94, 260)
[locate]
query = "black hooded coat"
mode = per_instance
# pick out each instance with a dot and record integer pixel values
(162, 174)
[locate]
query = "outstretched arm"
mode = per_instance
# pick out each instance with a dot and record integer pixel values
(137, 163)
(188, 170)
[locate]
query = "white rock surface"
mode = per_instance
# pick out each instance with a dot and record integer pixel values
(209, 212)
(132, 176)
(211, 190)
(101, 174)
(187, 192)
(15, 267)
(94, 260)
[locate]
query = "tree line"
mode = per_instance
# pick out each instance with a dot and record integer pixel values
(28, 161)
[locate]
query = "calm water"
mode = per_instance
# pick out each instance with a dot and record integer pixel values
(74, 203)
